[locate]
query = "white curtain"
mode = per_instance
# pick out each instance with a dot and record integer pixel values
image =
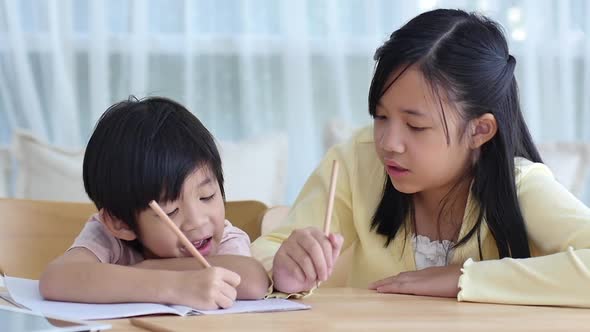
(250, 67)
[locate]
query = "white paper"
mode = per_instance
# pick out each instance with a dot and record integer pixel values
(26, 293)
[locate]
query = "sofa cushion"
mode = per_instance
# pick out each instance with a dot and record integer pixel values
(254, 170)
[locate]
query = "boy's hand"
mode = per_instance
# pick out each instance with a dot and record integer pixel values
(305, 257)
(207, 289)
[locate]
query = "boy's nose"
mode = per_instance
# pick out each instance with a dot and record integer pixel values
(193, 222)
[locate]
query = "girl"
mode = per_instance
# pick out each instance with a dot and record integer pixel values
(445, 195)
(154, 149)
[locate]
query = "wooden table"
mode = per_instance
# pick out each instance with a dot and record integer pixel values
(364, 310)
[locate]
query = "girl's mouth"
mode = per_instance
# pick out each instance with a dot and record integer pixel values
(396, 171)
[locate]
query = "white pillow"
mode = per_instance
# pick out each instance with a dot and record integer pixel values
(337, 131)
(254, 169)
(4, 171)
(570, 164)
(47, 172)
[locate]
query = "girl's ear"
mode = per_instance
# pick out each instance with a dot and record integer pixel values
(117, 227)
(482, 129)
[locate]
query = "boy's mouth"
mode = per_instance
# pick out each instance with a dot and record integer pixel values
(202, 245)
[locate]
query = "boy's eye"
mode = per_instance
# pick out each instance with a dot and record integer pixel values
(379, 117)
(170, 214)
(208, 198)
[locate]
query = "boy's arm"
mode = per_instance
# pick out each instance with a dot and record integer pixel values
(78, 276)
(255, 281)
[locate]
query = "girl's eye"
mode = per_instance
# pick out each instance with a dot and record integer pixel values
(208, 198)
(416, 128)
(172, 213)
(379, 117)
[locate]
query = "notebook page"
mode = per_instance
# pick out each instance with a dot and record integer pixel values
(269, 305)
(26, 293)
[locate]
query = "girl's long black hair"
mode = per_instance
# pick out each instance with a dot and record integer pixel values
(465, 56)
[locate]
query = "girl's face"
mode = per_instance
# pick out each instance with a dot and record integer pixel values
(411, 140)
(199, 213)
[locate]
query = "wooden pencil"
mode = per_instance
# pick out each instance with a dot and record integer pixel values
(331, 194)
(187, 244)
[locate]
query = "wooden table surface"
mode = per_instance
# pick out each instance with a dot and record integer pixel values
(359, 309)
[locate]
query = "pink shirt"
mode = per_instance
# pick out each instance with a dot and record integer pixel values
(109, 249)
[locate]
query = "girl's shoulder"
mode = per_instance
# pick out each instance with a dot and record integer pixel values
(525, 169)
(363, 135)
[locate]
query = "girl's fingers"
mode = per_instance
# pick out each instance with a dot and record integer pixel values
(326, 247)
(303, 260)
(382, 282)
(315, 253)
(336, 240)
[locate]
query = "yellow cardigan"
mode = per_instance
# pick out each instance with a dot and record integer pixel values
(558, 227)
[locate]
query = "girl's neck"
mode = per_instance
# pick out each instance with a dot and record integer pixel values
(439, 212)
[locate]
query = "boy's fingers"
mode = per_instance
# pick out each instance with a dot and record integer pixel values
(229, 291)
(231, 278)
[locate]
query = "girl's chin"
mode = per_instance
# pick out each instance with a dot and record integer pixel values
(404, 188)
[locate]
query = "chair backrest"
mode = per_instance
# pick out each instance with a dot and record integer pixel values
(246, 215)
(33, 233)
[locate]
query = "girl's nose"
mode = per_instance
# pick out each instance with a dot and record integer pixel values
(392, 141)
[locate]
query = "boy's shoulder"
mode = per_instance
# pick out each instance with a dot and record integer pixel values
(234, 241)
(106, 247)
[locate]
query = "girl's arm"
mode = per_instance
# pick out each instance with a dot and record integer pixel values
(307, 260)
(558, 226)
(78, 276)
(255, 281)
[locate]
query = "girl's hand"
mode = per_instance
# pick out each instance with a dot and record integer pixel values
(432, 281)
(305, 257)
(210, 288)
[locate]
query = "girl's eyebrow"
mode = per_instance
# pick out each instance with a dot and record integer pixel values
(413, 112)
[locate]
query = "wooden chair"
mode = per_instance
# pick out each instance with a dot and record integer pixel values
(33, 233)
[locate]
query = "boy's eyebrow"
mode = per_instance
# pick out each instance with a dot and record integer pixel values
(206, 181)
(203, 183)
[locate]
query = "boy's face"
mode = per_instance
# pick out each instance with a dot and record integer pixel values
(199, 213)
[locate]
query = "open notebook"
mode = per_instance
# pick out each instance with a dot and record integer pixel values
(25, 292)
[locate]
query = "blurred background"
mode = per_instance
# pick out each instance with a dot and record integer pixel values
(276, 81)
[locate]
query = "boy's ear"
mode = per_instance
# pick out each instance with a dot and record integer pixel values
(482, 129)
(117, 227)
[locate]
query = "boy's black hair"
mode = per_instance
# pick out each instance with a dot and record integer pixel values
(143, 150)
(464, 56)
